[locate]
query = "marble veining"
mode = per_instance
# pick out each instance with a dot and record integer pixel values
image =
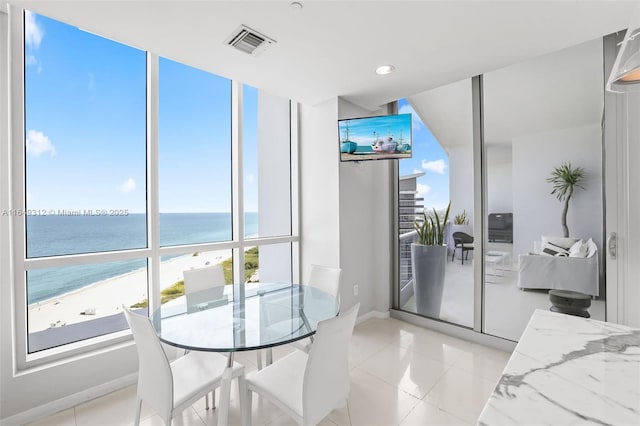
(569, 370)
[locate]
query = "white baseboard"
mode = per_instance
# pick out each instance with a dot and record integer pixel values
(372, 314)
(70, 401)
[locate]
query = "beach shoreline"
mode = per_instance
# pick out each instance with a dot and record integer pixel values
(106, 297)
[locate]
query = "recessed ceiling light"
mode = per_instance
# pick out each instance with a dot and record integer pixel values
(385, 69)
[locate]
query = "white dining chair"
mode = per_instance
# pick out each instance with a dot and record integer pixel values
(170, 387)
(198, 279)
(323, 278)
(308, 386)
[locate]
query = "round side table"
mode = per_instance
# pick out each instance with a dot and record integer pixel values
(570, 302)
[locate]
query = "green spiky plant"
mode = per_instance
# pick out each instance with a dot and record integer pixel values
(565, 180)
(461, 218)
(430, 228)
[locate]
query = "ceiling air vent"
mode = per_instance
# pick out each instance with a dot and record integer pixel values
(249, 41)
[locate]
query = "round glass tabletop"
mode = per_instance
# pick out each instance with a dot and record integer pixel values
(269, 314)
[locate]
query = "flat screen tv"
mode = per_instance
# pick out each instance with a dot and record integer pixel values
(375, 138)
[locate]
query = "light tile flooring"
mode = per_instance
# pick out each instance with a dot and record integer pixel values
(401, 374)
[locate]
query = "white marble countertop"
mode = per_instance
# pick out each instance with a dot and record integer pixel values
(568, 370)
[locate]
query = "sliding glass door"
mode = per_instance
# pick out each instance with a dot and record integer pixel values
(439, 176)
(522, 163)
(543, 134)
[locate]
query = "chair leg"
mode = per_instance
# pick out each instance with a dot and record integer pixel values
(269, 360)
(259, 358)
(136, 422)
(213, 399)
(206, 402)
(245, 401)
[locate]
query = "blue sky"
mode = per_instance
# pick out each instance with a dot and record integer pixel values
(86, 127)
(86, 130)
(429, 158)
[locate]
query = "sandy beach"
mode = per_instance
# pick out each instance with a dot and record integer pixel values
(106, 297)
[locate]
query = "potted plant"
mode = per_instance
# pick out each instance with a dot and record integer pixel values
(428, 261)
(565, 180)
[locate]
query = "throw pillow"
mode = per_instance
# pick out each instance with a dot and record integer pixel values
(553, 250)
(579, 249)
(591, 247)
(563, 242)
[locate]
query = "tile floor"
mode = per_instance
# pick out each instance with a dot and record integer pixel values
(401, 374)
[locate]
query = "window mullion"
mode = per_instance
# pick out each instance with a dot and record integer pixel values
(153, 203)
(295, 188)
(237, 186)
(18, 181)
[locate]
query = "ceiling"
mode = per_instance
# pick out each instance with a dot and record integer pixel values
(563, 89)
(331, 48)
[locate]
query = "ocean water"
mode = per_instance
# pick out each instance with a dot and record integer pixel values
(63, 235)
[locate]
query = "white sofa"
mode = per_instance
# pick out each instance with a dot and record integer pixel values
(540, 271)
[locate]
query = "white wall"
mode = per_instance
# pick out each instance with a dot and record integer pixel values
(345, 213)
(499, 179)
(535, 211)
(631, 287)
(365, 221)
(461, 180)
(319, 186)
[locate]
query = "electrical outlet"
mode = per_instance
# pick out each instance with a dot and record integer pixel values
(355, 289)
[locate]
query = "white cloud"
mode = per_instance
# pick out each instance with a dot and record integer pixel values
(417, 171)
(416, 123)
(128, 185)
(437, 166)
(423, 189)
(249, 178)
(32, 31)
(37, 143)
(29, 198)
(32, 61)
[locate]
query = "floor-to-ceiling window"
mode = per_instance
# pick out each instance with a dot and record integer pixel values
(137, 168)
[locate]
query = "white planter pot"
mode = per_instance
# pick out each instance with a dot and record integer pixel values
(428, 265)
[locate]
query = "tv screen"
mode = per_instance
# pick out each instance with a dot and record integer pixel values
(375, 138)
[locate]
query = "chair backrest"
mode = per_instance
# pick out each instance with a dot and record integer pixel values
(155, 381)
(203, 278)
(326, 279)
(463, 237)
(326, 377)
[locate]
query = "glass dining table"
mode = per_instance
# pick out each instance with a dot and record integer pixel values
(242, 318)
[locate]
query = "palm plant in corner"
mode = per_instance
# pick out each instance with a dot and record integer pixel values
(428, 261)
(565, 180)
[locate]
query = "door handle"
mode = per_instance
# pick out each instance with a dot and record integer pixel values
(612, 245)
